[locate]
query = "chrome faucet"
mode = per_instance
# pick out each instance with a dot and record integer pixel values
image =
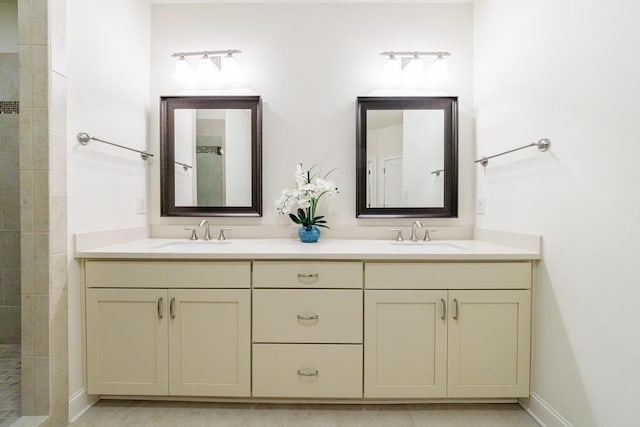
(207, 231)
(414, 227)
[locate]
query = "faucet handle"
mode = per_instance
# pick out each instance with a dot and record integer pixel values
(399, 237)
(221, 236)
(427, 236)
(194, 236)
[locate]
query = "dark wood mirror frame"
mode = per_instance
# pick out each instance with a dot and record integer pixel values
(450, 107)
(167, 154)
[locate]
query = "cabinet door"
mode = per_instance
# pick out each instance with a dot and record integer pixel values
(127, 341)
(405, 344)
(209, 342)
(489, 342)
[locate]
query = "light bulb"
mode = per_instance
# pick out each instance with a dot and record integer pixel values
(207, 72)
(230, 69)
(392, 71)
(183, 72)
(414, 72)
(439, 69)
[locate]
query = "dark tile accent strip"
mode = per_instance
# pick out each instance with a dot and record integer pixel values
(9, 107)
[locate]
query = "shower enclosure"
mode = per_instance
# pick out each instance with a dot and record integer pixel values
(10, 295)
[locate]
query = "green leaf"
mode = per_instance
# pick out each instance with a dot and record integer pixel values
(295, 219)
(301, 215)
(322, 225)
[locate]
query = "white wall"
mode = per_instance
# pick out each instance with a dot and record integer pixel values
(309, 62)
(184, 123)
(108, 97)
(423, 152)
(569, 71)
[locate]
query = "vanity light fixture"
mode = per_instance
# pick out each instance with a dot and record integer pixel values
(209, 66)
(409, 66)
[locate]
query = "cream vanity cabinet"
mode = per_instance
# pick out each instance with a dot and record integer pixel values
(447, 329)
(307, 329)
(175, 328)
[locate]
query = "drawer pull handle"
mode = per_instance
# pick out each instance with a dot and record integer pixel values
(172, 313)
(313, 317)
(444, 309)
(308, 276)
(308, 372)
(159, 307)
(456, 311)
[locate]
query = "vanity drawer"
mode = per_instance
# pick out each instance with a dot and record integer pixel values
(312, 274)
(173, 274)
(307, 316)
(453, 275)
(307, 370)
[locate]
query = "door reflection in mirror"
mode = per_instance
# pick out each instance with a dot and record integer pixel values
(409, 144)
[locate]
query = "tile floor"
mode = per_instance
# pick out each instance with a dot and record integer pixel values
(110, 413)
(9, 383)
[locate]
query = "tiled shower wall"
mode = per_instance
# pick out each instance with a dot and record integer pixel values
(9, 201)
(43, 226)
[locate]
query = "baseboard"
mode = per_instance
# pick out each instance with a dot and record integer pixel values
(80, 403)
(543, 412)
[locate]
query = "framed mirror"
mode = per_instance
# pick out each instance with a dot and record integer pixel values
(211, 156)
(407, 157)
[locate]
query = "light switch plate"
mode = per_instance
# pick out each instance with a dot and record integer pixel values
(141, 205)
(481, 206)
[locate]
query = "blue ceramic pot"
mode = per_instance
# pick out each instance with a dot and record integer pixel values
(309, 235)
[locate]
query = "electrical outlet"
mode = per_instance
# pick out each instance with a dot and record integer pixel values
(141, 205)
(481, 207)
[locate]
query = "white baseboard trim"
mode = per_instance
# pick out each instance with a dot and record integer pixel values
(80, 403)
(543, 413)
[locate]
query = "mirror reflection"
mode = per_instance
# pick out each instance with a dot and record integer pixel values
(405, 158)
(212, 157)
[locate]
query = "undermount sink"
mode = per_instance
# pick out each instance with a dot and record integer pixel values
(422, 246)
(193, 245)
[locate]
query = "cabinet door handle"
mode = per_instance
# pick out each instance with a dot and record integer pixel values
(444, 309)
(308, 372)
(456, 311)
(312, 317)
(307, 276)
(172, 313)
(159, 307)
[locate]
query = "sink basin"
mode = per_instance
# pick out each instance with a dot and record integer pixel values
(427, 246)
(193, 245)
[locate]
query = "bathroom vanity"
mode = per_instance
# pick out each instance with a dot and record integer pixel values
(341, 320)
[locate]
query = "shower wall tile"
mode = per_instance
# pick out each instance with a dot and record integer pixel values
(9, 132)
(41, 326)
(41, 389)
(25, 138)
(11, 286)
(28, 385)
(10, 249)
(28, 331)
(10, 325)
(40, 201)
(26, 201)
(40, 76)
(41, 263)
(40, 138)
(26, 76)
(10, 210)
(9, 178)
(9, 66)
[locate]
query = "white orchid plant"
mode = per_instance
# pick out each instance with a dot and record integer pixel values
(311, 188)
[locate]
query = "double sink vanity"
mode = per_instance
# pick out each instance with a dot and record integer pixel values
(279, 320)
(340, 320)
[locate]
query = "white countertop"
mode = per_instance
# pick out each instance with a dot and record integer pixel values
(327, 249)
